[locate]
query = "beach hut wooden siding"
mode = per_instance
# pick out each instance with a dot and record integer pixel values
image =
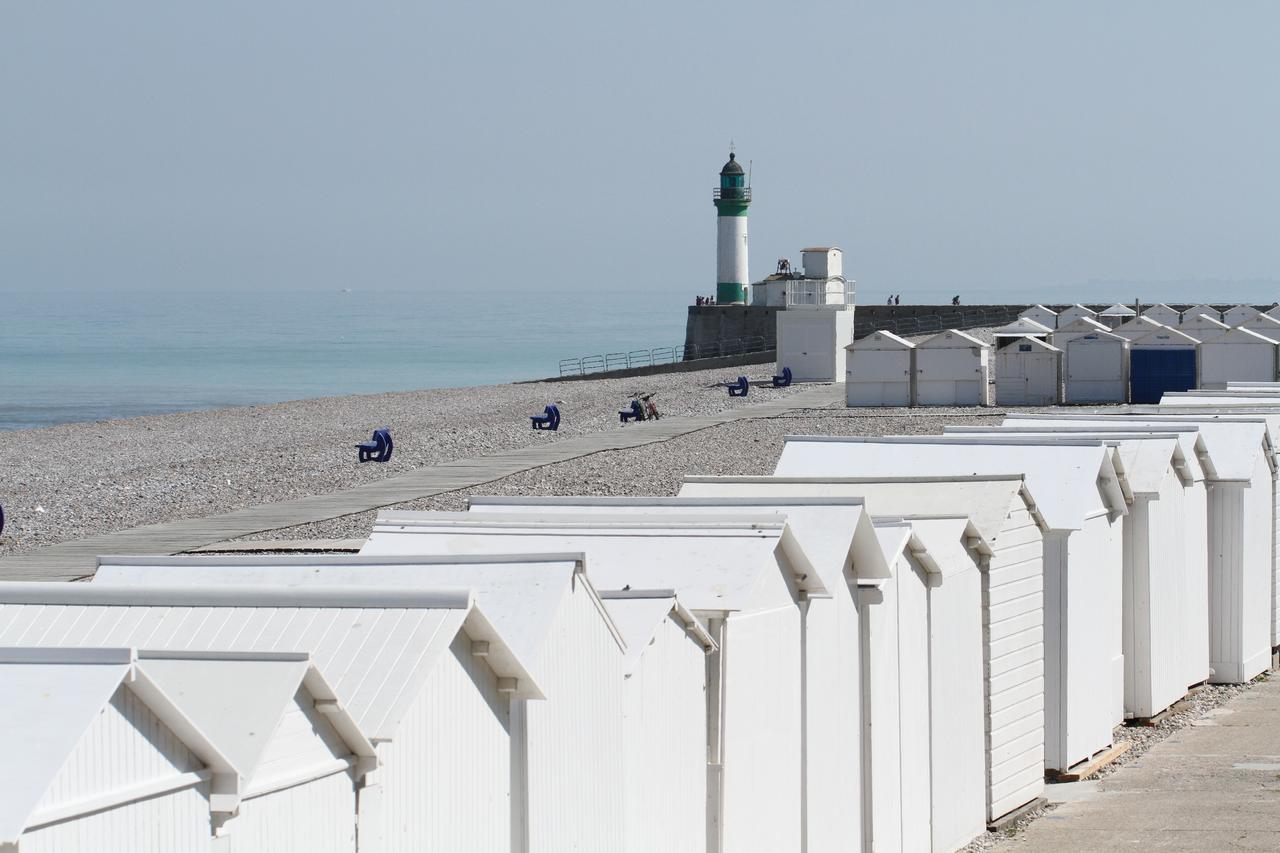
(1097, 369)
(1003, 514)
(1137, 327)
(1237, 459)
(1065, 333)
(1023, 327)
(1161, 563)
(879, 371)
(751, 576)
(664, 721)
(918, 643)
(1263, 324)
(1078, 493)
(96, 767)
(1162, 314)
(340, 625)
(1028, 373)
(1074, 313)
(953, 369)
(1115, 315)
(1202, 310)
(1042, 315)
(1237, 354)
(837, 535)
(1160, 362)
(1186, 408)
(1239, 314)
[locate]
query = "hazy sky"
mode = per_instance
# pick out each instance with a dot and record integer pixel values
(1019, 148)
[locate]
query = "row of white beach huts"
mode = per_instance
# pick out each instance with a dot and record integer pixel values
(1044, 358)
(886, 645)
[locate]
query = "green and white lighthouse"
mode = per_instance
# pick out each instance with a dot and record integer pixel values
(731, 199)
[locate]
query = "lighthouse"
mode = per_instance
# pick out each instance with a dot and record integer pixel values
(731, 199)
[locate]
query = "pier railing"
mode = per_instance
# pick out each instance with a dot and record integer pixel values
(957, 318)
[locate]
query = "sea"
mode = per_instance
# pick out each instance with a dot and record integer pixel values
(68, 356)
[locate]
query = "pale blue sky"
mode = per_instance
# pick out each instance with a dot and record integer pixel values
(1017, 149)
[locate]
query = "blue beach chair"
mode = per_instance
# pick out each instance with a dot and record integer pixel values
(549, 420)
(783, 380)
(739, 388)
(635, 413)
(379, 448)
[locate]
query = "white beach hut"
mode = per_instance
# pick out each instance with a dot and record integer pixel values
(1097, 369)
(1263, 324)
(953, 369)
(664, 720)
(1137, 327)
(1273, 311)
(1237, 459)
(1201, 310)
(94, 759)
(1239, 314)
(443, 733)
(1236, 354)
(1028, 373)
(1162, 314)
(1202, 326)
(551, 616)
(1166, 573)
(1077, 490)
(1075, 312)
(1042, 315)
(1006, 533)
(1066, 332)
(879, 370)
(1115, 315)
(1160, 362)
(1023, 327)
(744, 577)
(837, 535)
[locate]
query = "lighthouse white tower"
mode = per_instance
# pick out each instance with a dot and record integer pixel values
(731, 199)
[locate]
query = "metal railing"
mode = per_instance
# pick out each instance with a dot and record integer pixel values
(731, 194)
(958, 318)
(834, 293)
(664, 355)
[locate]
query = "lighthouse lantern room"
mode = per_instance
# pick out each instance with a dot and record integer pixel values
(731, 199)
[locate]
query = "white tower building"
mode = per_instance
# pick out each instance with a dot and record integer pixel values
(731, 199)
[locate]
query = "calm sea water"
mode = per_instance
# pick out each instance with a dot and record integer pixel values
(86, 356)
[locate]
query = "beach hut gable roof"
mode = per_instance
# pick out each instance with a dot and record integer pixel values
(1165, 336)
(881, 339)
(1118, 310)
(984, 499)
(1273, 311)
(1143, 325)
(1238, 336)
(1022, 326)
(1237, 314)
(640, 613)
(1084, 324)
(1203, 322)
(1069, 481)
(951, 339)
(1162, 313)
(832, 531)
(633, 550)
(414, 626)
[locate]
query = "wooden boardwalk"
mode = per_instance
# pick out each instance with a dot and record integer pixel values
(78, 559)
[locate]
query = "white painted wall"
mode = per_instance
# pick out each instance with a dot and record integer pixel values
(445, 780)
(1013, 660)
(1027, 375)
(1097, 370)
(878, 377)
(1223, 361)
(319, 816)
(665, 731)
(731, 249)
(957, 375)
(126, 746)
(812, 343)
(1240, 551)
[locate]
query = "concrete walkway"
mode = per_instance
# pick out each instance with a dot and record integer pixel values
(1212, 786)
(78, 559)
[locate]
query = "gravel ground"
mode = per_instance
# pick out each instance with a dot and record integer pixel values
(1189, 712)
(77, 480)
(741, 447)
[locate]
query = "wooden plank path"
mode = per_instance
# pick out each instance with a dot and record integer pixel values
(76, 560)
